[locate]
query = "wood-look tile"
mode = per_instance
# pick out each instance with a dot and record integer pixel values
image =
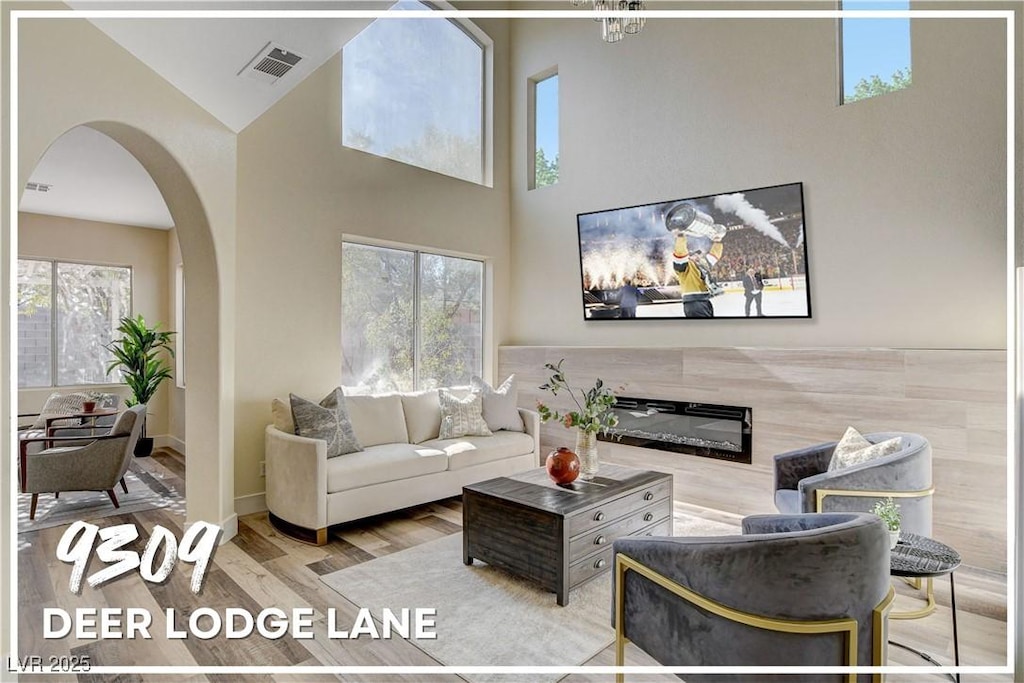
(344, 555)
(255, 545)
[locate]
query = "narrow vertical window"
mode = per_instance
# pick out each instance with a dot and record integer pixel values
(544, 129)
(35, 323)
(875, 57)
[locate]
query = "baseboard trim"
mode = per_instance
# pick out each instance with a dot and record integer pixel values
(230, 529)
(246, 505)
(168, 441)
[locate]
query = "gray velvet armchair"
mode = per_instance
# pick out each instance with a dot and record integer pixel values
(804, 484)
(792, 590)
(75, 463)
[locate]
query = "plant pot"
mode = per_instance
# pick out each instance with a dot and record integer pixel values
(894, 538)
(144, 447)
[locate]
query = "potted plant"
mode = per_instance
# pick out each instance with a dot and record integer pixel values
(890, 514)
(593, 414)
(137, 355)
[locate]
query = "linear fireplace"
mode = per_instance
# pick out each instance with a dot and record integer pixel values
(704, 429)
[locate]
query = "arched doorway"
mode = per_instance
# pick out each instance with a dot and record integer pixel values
(209, 475)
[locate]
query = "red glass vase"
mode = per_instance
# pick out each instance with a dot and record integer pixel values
(563, 466)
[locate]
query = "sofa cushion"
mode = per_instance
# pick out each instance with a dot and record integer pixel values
(328, 421)
(476, 450)
(422, 415)
(499, 405)
(383, 463)
(378, 419)
(787, 501)
(461, 416)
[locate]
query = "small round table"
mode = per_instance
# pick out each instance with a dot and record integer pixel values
(920, 557)
(81, 416)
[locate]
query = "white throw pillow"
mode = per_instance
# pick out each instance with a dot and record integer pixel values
(422, 415)
(377, 419)
(461, 417)
(282, 414)
(499, 405)
(854, 449)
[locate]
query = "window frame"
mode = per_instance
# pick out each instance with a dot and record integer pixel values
(841, 62)
(55, 314)
(531, 125)
(417, 252)
(486, 45)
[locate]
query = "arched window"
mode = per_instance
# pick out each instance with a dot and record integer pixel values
(415, 90)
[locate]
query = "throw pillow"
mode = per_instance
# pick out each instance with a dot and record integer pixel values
(499, 405)
(327, 420)
(854, 449)
(58, 404)
(461, 417)
(282, 414)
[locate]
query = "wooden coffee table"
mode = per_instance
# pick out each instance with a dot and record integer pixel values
(561, 536)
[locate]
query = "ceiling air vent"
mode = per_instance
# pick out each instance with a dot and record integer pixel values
(38, 187)
(270, 64)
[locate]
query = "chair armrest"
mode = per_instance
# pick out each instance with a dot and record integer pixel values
(793, 466)
(296, 478)
(875, 478)
(784, 524)
(531, 425)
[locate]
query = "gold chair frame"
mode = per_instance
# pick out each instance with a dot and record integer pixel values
(624, 563)
(819, 505)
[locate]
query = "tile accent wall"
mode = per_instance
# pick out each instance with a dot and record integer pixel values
(954, 398)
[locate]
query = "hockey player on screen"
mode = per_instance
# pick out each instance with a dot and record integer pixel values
(697, 249)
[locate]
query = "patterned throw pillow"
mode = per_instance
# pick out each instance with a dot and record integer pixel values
(328, 421)
(461, 417)
(499, 405)
(854, 449)
(58, 404)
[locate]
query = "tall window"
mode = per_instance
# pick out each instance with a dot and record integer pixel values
(409, 319)
(875, 52)
(544, 129)
(413, 90)
(67, 313)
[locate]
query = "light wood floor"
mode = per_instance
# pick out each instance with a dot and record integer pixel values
(262, 568)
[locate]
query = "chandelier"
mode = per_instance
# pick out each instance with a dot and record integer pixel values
(624, 21)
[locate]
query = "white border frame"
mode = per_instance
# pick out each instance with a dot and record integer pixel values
(1011, 339)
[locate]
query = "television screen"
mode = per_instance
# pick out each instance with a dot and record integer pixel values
(731, 255)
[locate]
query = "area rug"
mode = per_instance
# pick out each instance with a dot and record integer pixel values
(486, 616)
(145, 492)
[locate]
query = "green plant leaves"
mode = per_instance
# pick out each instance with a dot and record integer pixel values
(137, 356)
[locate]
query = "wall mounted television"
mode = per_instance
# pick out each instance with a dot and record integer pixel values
(731, 255)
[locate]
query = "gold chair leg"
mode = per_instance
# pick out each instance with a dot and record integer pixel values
(620, 630)
(929, 606)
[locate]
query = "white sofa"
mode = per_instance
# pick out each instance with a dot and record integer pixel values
(403, 463)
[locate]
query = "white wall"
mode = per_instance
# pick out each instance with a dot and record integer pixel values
(145, 250)
(905, 194)
(300, 191)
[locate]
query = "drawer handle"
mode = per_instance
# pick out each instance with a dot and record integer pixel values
(600, 540)
(648, 496)
(600, 564)
(599, 516)
(649, 516)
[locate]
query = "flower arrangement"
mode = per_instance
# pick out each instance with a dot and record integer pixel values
(593, 407)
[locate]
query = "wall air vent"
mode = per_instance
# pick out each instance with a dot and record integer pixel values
(38, 187)
(270, 64)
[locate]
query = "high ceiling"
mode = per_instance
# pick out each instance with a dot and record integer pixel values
(92, 177)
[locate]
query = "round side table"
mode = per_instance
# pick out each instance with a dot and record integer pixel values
(920, 557)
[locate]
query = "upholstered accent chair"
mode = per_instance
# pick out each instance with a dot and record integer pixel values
(33, 425)
(792, 590)
(80, 463)
(804, 484)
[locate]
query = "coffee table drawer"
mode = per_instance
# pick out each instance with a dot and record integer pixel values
(614, 509)
(590, 567)
(595, 539)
